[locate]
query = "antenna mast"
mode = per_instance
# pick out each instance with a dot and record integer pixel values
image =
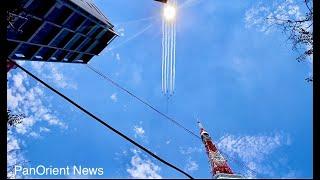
(219, 166)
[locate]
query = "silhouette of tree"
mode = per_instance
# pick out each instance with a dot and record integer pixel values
(300, 30)
(14, 119)
(287, 16)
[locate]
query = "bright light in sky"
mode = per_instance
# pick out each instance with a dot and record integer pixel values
(169, 12)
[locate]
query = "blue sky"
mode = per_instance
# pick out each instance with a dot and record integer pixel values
(242, 83)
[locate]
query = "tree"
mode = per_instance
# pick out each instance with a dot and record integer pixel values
(12, 121)
(287, 16)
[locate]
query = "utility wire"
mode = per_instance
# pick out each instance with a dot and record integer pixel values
(142, 101)
(239, 162)
(104, 123)
(159, 112)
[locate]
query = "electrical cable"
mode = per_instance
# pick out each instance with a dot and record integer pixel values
(238, 162)
(104, 123)
(142, 101)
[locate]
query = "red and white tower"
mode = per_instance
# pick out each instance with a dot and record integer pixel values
(219, 166)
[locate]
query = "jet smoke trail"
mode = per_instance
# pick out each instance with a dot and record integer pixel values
(174, 56)
(169, 59)
(171, 54)
(162, 63)
(168, 55)
(174, 51)
(166, 58)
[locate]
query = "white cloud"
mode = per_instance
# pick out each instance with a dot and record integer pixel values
(34, 134)
(125, 152)
(252, 147)
(168, 141)
(12, 143)
(25, 125)
(17, 80)
(13, 100)
(118, 56)
(27, 97)
(192, 165)
(139, 131)
(143, 168)
(44, 129)
(33, 103)
(265, 14)
(114, 97)
(190, 150)
(121, 31)
(14, 157)
(253, 150)
(50, 71)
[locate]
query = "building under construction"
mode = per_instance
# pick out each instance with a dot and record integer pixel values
(71, 31)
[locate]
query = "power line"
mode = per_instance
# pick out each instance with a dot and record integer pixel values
(239, 162)
(143, 101)
(159, 112)
(104, 123)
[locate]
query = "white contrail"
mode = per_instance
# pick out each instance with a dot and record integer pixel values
(130, 38)
(174, 56)
(171, 57)
(189, 3)
(162, 62)
(174, 51)
(166, 57)
(135, 21)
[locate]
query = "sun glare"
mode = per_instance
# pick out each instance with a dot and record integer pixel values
(169, 12)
